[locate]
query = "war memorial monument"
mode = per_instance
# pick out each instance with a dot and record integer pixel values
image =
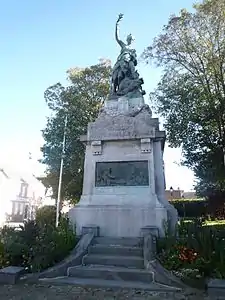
(124, 182)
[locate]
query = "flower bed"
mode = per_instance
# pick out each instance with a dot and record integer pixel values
(198, 253)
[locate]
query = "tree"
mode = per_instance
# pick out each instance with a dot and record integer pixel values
(80, 101)
(191, 93)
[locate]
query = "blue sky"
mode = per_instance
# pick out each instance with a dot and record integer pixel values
(41, 39)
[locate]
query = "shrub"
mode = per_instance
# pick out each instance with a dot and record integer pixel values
(2, 255)
(194, 208)
(52, 245)
(46, 215)
(36, 247)
(216, 209)
(190, 209)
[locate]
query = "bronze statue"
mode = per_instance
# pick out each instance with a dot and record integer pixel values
(125, 79)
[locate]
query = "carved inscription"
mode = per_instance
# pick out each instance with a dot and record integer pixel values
(123, 128)
(122, 173)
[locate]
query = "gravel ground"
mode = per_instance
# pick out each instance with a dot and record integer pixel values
(41, 292)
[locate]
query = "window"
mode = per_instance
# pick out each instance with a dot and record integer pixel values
(18, 208)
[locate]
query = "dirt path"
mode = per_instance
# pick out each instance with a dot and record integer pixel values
(42, 292)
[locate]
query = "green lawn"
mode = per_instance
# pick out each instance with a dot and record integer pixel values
(188, 200)
(208, 223)
(215, 223)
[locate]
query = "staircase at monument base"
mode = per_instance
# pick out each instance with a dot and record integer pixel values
(112, 263)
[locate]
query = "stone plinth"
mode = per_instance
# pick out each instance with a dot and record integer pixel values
(11, 274)
(216, 288)
(123, 188)
(118, 220)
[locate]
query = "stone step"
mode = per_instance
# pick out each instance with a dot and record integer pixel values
(115, 250)
(117, 261)
(112, 284)
(110, 273)
(126, 241)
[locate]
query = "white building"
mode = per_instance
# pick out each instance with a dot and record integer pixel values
(20, 196)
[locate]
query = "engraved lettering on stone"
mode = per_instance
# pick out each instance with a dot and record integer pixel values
(120, 128)
(124, 173)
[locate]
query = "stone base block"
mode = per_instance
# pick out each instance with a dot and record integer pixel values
(216, 288)
(10, 275)
(153, 230)
(118, 220)
(90, 229)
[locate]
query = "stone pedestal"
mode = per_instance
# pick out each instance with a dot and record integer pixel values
(123, 188)
(10, 274)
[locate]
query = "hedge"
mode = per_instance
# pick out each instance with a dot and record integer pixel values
(191, 208)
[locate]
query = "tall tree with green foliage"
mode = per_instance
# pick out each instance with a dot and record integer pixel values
(80, 101)
(191, 93)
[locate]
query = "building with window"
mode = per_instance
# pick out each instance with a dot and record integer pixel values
(20, 196)
(172, 194)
